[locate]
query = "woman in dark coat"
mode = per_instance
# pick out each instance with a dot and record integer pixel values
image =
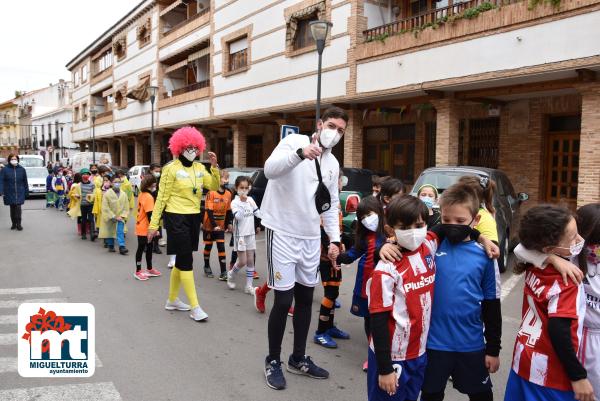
(14, 188)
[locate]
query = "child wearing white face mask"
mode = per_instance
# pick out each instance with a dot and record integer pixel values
(369, 237)
(243, 209)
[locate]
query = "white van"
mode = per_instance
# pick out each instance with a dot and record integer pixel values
(31, 161)
(136, 173)
(85, 159)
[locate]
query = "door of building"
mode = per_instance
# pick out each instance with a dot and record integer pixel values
(562, 160)
(484, 138)
(254, 149)
(391, 150)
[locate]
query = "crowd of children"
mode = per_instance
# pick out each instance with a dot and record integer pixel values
(426, 284)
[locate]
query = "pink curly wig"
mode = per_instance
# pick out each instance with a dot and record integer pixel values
(184, 137)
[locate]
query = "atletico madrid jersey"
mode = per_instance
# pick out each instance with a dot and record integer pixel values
(545, 296)
(405, 288)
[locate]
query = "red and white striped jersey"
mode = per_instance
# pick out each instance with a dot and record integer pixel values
(405, 288)
(545, 296)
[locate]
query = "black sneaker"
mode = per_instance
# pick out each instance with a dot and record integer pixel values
(306, 367)
(123, 250)
(274, 374)
(208, 272)
(223, 276)
(111, 248)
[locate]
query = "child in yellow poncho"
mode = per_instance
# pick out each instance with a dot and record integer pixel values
(115, 211)
(75, 201)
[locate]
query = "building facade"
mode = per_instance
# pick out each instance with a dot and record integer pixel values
(9, 128)
(504, 84)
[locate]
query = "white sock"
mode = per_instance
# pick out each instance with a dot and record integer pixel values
(172, 259)
(249, 275)
(236, 268)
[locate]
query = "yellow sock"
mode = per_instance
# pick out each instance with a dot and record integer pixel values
(174, 284)
(187, 280)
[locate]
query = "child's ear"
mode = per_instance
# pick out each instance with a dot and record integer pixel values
(386, 199)
(476, 220)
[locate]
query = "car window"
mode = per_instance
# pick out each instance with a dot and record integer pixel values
(500, 185)
(508, 187)
(144, 170)
(439, 178)
(358, 180)
(134, 171)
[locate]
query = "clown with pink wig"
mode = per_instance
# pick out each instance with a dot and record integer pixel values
(178, 204)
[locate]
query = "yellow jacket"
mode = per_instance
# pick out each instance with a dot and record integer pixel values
(75, 201)
(113, 206)
(126, 186)
(487, 225)
(180, 189)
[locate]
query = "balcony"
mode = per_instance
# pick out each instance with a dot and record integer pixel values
(458, 20)
(186, 89)
(182, 17)
(7, 121)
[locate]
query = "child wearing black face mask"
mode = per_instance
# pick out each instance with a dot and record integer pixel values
(466, 321)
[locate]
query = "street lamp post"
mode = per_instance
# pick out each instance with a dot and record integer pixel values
(319, 31)
(62, 144)
(152, 91)
(93, 115)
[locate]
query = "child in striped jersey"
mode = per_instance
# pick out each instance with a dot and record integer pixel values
(217, 220)
(243, 209)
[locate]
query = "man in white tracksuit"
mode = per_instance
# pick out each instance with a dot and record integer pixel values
(294, 236)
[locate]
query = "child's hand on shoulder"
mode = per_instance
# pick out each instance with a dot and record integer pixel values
(390, 253)
(491, 249)
(492, 363)
(566, 269)
(389, 383)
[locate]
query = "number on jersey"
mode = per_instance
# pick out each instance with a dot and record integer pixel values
(532, 324)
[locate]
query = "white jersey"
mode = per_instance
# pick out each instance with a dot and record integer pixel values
(591, 285)
(243, 216)
(288, 206)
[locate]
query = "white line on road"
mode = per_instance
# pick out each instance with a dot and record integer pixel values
(8, 319)
(29, 290)
(8, 338)
(74, 392)
(8, 365)
(16, 302)
(508, 285)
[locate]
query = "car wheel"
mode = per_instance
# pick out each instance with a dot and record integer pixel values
(504, 253)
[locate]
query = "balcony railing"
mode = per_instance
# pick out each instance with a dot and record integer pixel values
(104, 114)
(430, 17)
(186, 89)
(186, 21)
(7, 121)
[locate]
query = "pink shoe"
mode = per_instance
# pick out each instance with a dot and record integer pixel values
(153, 273)
(365, 366)
(140, 276)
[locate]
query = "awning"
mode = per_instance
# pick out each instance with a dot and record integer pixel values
(108, 92)
(171, 7)
(199, 54)
(238, 45)
(140, 91)
(176, 66)
(292, 22)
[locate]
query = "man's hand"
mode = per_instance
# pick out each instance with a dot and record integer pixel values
(332, 253)
(492, 363)
(229, 228)
(583, 390)
(389, 383)
(217, 228)
(212, 157)
(566, 269)
(151, 234)
(312, 151)
(390, 253)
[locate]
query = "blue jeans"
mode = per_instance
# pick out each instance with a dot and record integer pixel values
(120, 235)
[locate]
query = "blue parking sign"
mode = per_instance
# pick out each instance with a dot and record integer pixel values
(288, 130)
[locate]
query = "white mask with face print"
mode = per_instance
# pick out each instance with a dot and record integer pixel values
(189, 154)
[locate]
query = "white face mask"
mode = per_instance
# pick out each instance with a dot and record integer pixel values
(14, 162)
(242, 192)
(371, 222)
(411, 239)
(189, 154)
(329, 137)
(156, 174)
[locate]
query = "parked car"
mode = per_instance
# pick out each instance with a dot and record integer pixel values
(359, 185)
(31, 161)
(506, 202)
(135, 174)
(235, 172)
(36, 178)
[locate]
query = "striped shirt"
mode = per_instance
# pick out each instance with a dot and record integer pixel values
(87, 188)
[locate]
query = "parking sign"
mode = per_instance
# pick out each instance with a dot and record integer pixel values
(288, 130)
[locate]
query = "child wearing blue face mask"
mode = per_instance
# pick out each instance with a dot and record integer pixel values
(369, 237)
(429, 195)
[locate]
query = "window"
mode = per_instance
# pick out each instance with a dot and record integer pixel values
(120, 47)
(298, 34)
(75, 116)
(238, 54)
(143, 32)
(76, 78)
(121, 97)
(418, 7)
(84, 73)
(84, 112)
(303, 35)
(103, 62)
